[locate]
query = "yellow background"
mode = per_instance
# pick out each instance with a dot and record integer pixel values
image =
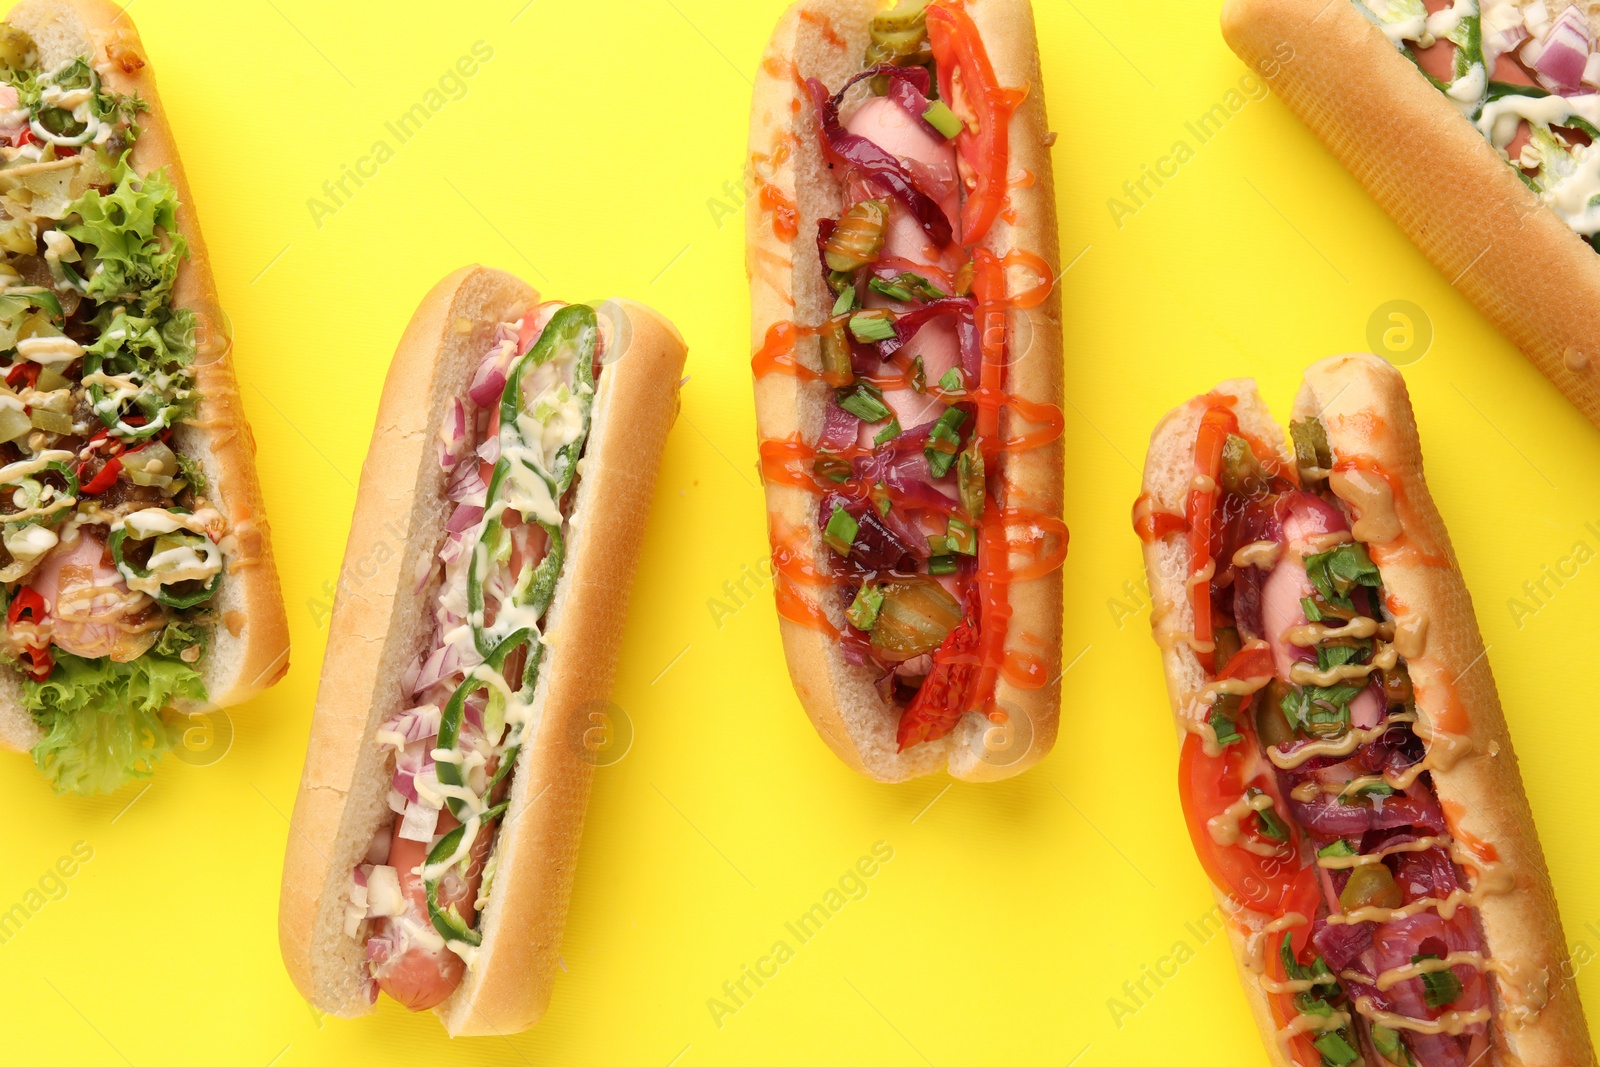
(591, 155)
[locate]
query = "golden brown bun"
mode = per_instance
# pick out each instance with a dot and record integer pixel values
(381, 620)
(1437, 176)
(250, 647)
(827, 40)
(1362, 401)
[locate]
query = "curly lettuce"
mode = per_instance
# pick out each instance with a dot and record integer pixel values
(102, 720)
(149, 358)
(133, 231)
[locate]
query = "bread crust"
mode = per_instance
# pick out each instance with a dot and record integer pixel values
(826, 39)
(1363, 403)
(254, 633)
(1437, 176)
(379, 621)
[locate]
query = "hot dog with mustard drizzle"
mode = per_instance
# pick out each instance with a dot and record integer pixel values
(1346, 771)
(902, 251)
(472, 644)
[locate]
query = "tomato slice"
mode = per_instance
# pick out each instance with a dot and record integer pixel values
(1208, 786)
(957, 46)
(1215, 426)
(944, 694)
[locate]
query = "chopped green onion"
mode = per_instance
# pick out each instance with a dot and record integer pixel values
(1336, 1050)
(839, 280)
(962, 538)
(939, 545)
(891, 289)
(1376, 789)
(1270, 825)
(1440, 988)
(1223, 726)
(941, 118)
(879, 495)
(841, 531)
(865, 401)
(1340, 847)
(1309, 606)
(919, 377)
(970, 480)
(1335, 573)
(1388, 1043)
(863, 610)
(888, 433)
(944, 441)
(846, 302)
(952, 382)
(871, 326)
(832, 468)
(942, 565)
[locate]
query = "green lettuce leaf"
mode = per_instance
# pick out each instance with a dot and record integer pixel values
(102, 720)
(134, 233)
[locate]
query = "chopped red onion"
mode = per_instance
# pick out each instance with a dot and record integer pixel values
(489, 451)
(464, 518)
(453, 435)
(839, 428)
(1560, 60)
(883, 168)
(419, 822)
(378, 950)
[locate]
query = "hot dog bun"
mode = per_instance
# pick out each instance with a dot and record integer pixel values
(1437, 176)
(1363, 404)
(380, 618)
(826, 39)
(250, 647)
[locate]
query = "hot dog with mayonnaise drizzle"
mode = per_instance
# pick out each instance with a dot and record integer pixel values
(1346, 773)
(471, 653)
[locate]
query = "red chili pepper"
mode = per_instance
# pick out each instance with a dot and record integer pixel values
(957, 45)
(23, 372)
(29, 606)
(26, 137)
(105, 479)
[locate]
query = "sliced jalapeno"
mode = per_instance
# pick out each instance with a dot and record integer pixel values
(447, 920)
(47, 496)
(185, 594)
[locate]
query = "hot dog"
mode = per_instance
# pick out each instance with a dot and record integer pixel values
(473, 640)
(1346, 772)
(134, 556)
(1472, 126)
(902, 252)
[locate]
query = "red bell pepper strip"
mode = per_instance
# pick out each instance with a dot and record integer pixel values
(1215, 426)
(957, 45)
(25, 372)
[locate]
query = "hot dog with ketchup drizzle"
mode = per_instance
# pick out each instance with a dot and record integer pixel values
(912, 468)
(1332, 776)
